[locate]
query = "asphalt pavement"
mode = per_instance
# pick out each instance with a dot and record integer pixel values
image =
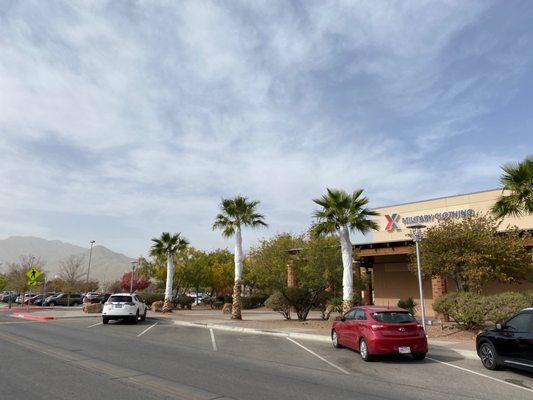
(83, 359)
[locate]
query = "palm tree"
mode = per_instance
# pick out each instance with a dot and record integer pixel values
(166, 247)
(517, 181)
(236, 213)
(341, 213)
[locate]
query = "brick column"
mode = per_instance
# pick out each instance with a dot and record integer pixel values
(291, 278)
(439, 288)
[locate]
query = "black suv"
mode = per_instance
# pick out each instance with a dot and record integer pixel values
(64, 300)
(509, 344)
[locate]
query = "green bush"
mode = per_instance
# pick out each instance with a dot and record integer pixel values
(150, 297)
(503, 305)
(465, 308)
(277, 302)
(408, 305)
(254, 301)
(472, 311)
(184, 301)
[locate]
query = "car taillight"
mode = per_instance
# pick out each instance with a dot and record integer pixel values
(376, 327)
(107, 303)
(130, 304)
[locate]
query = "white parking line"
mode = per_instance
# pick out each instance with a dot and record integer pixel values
(480, 374)
(147, 329)
(320, 357)
(98, 323)
(213, 340)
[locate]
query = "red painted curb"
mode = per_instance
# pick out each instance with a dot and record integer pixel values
(15, 309)
(33, 317)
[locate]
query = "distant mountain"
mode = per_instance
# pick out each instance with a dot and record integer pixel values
(106, 265)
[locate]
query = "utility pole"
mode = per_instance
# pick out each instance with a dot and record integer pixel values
(133, 266)
(90, 256)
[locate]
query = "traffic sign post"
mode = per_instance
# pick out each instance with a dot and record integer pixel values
(32, 275)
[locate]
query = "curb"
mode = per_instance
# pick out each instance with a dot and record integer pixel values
(32, 317)
(293, 335)
(468, 354)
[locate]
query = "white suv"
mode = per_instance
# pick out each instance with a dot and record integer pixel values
(124, 306)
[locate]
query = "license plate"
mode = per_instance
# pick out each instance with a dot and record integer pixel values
(118, 305)
(404, 350)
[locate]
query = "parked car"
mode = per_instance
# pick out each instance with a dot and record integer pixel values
(23, 297)
(124, 306)
(91, 297)
(375, 331)
(64, 299)
(10, 297)
(39, 301)
(32, 299)
(509, 344)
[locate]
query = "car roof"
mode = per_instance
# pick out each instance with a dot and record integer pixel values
(381, 309)
(122, 294)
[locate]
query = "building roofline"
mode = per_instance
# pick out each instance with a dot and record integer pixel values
(435, 198)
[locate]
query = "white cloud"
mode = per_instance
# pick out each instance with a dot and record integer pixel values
(155, 111)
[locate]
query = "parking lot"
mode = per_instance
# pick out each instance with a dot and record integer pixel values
(158, 358)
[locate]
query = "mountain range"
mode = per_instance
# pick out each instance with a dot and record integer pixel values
(106, 265)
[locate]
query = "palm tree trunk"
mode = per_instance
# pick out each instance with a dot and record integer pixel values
(167, 304)
(347, 274)
(237, 302)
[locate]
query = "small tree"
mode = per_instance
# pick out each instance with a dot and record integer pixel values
(71, 272)
(139, 282)
(472, 252)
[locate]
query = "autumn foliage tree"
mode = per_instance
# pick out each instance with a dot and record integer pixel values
(471, 252)
(140, 282)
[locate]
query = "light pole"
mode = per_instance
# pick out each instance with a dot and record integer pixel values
(133, 266)
(90, 256)
(417, 237)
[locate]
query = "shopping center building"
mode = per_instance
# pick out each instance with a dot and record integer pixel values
(386, 254)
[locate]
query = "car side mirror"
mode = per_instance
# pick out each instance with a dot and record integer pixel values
(499, 327)
(343, 319)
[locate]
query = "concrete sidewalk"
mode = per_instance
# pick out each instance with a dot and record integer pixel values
(258, 322)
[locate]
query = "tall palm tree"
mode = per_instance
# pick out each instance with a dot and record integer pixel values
(235, 214)
(166, 247)
(517, 181)
(339, 214)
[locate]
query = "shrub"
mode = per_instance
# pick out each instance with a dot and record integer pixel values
(465, 308)
(302, 300)
(254, 301)
(184, 301)
(277, 302)
(408, 305)
(503, 305)
(150, 297)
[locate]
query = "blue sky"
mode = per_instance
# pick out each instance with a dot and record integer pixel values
(119, 120)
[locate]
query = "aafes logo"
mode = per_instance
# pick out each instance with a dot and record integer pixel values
(392, 222)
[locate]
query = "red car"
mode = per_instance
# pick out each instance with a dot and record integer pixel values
(374, 330)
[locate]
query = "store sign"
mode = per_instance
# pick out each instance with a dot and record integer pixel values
(393, 219)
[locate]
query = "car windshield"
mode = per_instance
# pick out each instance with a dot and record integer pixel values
(393, 317)
(120, 299)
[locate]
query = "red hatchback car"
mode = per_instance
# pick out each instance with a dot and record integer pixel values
(373, 330)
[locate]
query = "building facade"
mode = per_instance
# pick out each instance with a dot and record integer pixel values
(386, 254)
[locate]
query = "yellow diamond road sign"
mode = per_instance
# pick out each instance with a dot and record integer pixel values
(33, 274)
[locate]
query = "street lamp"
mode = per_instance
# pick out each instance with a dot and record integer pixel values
(133, 266)
(90, 256)
(417, 237)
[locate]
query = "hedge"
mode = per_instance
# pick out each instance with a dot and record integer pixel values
(150, 297)
(473, 311)
(254, 301)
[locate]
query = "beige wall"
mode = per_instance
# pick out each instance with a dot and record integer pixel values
(478, 202)
(393, 281)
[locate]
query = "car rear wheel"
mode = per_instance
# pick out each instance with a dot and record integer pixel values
(335, 339)
(105, 321)
(143, 317)
(419, 356)
(363, 350)
(136, 319)
(52, 303)
(488, 356)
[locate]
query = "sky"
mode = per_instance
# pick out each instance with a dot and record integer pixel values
(123, 119)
